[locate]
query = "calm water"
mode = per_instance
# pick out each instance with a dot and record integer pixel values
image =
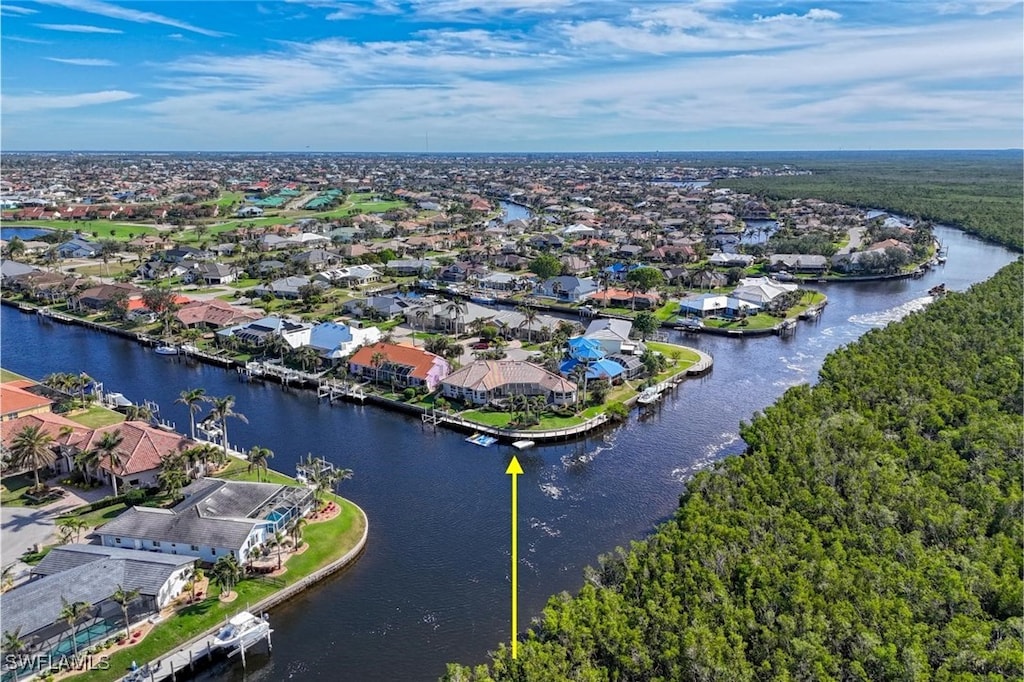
(24, 233)
(433, 585)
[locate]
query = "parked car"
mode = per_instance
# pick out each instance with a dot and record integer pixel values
(481, 345)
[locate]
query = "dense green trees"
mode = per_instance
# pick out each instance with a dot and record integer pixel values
(981, 192)
(872, 530)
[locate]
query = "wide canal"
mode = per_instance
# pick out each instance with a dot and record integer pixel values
(433, 585)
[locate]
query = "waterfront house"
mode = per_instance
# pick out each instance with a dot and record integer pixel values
(613, 336)
(213, 314)
(90, 574)
(798, 262)
(620, 298)
(216, 518)
(411, 266)
(138, 458)
(16, 400)
(354, 275)
(399, 364)
(761, 290)
(592, 356)
(99, 297)
(706, 305)
(731, 260)
(566, 288)
(500, 281)
(386, 307)
(485, 380)
(260, 332)
(333, 341)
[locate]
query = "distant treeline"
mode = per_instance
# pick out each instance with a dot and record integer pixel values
(982, 193)
(872, 530)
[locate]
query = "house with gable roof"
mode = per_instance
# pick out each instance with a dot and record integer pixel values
(405, 365)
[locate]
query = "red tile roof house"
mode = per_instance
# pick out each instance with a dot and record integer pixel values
(16, 402)
(214, 314)
(407, 365)
(140, 452)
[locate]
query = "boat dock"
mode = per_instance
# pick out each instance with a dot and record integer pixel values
(339, 390)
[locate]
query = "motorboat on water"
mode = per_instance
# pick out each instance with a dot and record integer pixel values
(242, 629)
(523, 444)
(165, 349)
(649, 395)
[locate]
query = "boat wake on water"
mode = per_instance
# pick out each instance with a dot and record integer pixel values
(884, 317)
(712, 453)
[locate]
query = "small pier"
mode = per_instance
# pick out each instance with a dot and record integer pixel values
(339, 390)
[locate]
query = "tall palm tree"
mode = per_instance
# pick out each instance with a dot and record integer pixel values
(529, 317)
(420, 316)
(457, 309)
(108, 448)
(258, 457)
(579, 374)
(124, 598)
(223, 408)
(378, 360)
(87, 461)
(172, 477)
(72, 525)
(278, 542)
(32, 448)
(71, 613)
(296, 530)
(192, 399)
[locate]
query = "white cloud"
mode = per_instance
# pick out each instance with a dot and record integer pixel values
(811, 15)
(78, 28)
(112, 11)
(23, 103)
(14, 10)
(82, 62)
(31, 41)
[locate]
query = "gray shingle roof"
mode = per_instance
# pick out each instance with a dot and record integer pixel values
(37, 603)
(226, 499)
(187, 528)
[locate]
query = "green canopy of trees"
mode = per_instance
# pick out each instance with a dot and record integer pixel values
(871, 531)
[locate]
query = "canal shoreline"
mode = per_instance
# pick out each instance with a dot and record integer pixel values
(428, 416)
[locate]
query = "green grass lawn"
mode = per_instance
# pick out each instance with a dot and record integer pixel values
(7, 375)
(759, 321)
(498, 420)
(328, 541)
(669, 350)
(96, 416)
(667, 311)
(103, 229)
(13, 489)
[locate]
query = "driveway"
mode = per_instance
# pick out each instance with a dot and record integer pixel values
(856, 235)
(24, 527)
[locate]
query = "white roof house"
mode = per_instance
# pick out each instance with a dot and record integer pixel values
(761, 290)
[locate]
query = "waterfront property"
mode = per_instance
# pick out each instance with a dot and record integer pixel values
(17, 401)
(403, 365)
(483, 381)
(216, 518)
(89, 576)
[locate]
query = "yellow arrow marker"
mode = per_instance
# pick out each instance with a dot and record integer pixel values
(514, 470)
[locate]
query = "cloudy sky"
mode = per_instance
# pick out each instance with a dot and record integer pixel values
(510, 75)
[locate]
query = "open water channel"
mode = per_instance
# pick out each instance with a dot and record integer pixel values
(433, 584)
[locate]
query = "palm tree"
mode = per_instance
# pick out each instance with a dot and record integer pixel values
(7, 578)
(108, 448)
(278, 542)
(71, 613)
(579, 374)
(529, 317)
(258, 457)
(226, 573)
(193, 576)
(32, 448)
(125, 598)
(296, 531)
(172, 477)
(378, 360)
(420, 316)
(222, 409)
(308, 357)
(13, 643)
(457, 309)
(192, 399)
(72, 525)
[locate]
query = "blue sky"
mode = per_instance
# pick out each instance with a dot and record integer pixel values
(510, 75)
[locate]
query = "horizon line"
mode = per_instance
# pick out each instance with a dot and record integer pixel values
(513, 153)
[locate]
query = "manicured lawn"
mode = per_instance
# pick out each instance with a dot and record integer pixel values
(550, 421)
(244, 283)
(686, 356)
(667, 311)
(96, 416)
(13, 489)
(759, 321)
(328, 541)
(105, 229)
(496, 419)
(7, 375)
(100, 516)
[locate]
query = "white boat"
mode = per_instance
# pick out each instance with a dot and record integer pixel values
(649, 395)
(166, 350)
(242, 629)
(523, 444)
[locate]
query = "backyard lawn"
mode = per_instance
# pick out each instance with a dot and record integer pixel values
(96, 416)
